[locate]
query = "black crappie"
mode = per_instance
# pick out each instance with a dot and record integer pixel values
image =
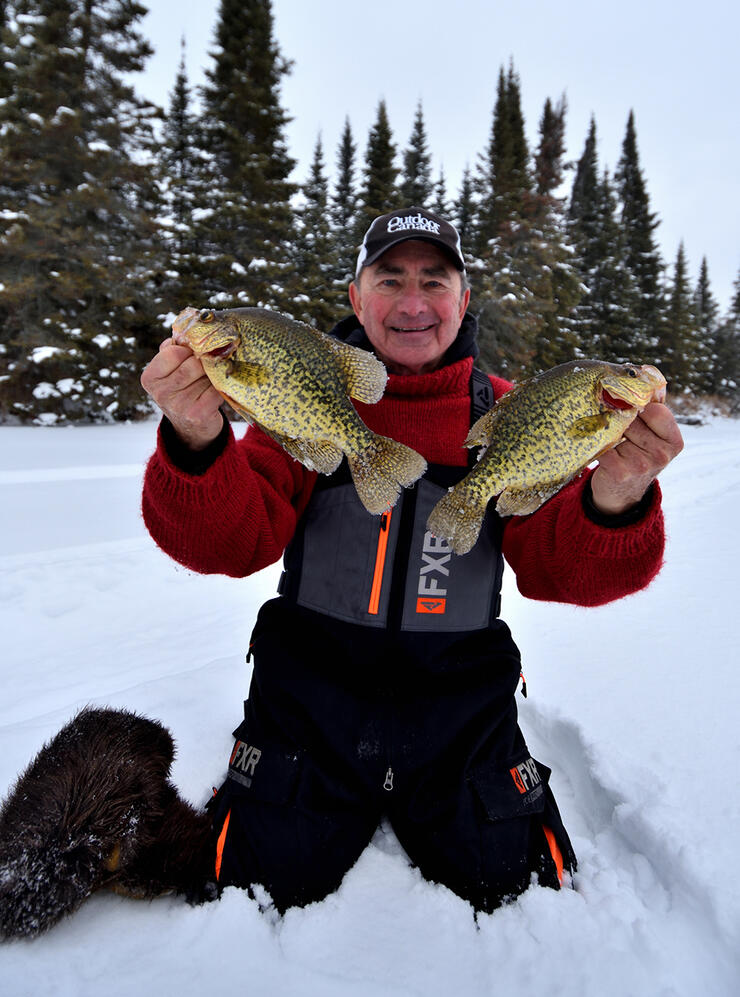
(539, 436)
(295, 384)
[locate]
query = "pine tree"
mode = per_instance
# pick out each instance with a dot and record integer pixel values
(184, 185)
(504, 178)
(417, 188)
(706, 314)
(726, 368)
(465, 213)
(345, 227)
(440, 204)
(679, 333)
(603, 318)
(318, 299)
(247, 229)
(556, 341)
(79, 255)
(549, 164)
(521, 277)
(642, 255)
(379, 192)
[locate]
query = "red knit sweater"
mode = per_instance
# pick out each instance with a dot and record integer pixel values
(239, 515)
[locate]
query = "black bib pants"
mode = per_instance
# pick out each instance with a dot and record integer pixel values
(384, 686)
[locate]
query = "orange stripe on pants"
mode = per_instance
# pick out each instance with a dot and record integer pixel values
(220, 845)
(557, 855)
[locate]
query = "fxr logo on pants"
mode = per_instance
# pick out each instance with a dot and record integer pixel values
(243, 762)
(525, 775)
(435, 555)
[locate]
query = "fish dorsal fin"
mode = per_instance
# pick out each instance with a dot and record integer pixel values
(482, 430)
(364, 375)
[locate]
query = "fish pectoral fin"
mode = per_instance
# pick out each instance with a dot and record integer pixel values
(524, 501)
(249, 375)
(588, 425)
(364, 375)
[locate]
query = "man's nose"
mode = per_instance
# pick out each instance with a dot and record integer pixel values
(412, 301)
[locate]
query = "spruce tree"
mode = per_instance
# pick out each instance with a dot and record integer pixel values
(345, 227)
(79, 254)
(519, 275)
(642, 255)
(416, 184)
(184, 192)
(726, 367)
(319, 296)
(706, 313)
(379, 192)
(504, 177)
(440, 205)
(549, 165)
(247, 230)
(465, 213)
(679, 332)
(555, 341)
(603, 318)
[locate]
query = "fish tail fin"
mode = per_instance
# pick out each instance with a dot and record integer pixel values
(381, 470)
(458, 517)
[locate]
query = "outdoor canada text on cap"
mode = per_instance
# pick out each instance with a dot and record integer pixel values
(409, 223)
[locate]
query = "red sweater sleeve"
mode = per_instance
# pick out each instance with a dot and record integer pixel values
(234, 519)
(560, 555)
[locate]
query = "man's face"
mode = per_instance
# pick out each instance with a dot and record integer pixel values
(410, 304)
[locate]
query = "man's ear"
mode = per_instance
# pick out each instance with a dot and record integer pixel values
(355, 299)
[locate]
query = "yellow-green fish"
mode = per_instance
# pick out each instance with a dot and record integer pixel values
(295, 384)
(539, 436)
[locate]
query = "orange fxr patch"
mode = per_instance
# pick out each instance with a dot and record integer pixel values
(431, 606)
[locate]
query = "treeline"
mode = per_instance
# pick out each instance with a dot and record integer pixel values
(115, 214)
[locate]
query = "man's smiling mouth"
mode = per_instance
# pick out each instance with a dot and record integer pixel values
(413, 328)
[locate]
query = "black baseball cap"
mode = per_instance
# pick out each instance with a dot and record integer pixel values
(409, 223)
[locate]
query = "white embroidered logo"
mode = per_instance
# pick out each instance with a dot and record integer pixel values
(418, 222)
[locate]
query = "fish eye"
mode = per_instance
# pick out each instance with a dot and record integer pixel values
(206, 315)
(632, 372)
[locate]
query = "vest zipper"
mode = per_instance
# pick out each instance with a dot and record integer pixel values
(385, 523)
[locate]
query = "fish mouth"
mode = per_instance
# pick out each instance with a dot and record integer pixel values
(183, 323)
(185, 333)
(615, 403)
(222, 352)
(641, 386)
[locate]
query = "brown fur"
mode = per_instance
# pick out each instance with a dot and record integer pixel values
(93, 809)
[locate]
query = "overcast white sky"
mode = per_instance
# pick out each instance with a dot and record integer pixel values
(675, 63)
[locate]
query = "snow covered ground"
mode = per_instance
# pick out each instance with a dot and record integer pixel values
(634, 706)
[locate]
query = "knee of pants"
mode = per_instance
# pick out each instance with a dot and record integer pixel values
(488, 839)
(297, 853)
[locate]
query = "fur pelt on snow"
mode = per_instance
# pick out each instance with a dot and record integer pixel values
(95, 809)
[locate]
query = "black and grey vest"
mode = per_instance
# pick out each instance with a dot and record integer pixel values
(390, 571)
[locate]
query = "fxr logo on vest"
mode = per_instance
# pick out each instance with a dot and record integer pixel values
(435, 554)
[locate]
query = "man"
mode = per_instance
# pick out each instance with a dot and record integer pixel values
(400, 705)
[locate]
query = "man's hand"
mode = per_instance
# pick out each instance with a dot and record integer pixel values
(177, 383)
(625, 473)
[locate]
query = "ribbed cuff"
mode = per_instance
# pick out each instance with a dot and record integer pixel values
(190, 461)
(627, 518)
